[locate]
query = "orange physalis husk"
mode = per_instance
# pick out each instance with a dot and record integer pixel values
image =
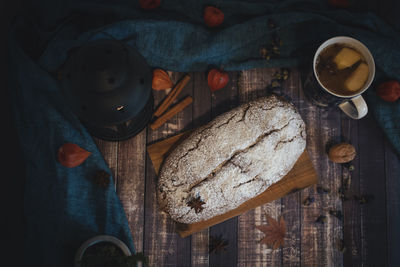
(71, 155)
(217, 79)
(161, 80)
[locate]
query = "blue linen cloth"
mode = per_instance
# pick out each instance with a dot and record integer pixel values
(62, 207)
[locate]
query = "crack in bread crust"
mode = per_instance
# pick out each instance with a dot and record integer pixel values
(236, 153)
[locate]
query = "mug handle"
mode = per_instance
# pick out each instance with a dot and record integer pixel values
(356, 111)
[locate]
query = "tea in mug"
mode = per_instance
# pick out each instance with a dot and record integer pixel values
(342, 69)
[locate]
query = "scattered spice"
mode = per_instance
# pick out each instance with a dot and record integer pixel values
(282, 75)
(271, 24)
(271, 49)
(71, 155)
(274, 232)
(348, 165)
(217, 244)
(101, 178)
(321, 219)
(322, 190)
(278, 78)
(265, 53)
(344, 188)
(342, 246)
(364, 199)
(161, 80)
(308, 201)
(337, 213)
(276, 42)
(343, 197)
(342, 193)
(196, 204)
(275, 84)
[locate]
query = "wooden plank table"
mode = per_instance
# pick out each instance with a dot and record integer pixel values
(370, 232)
(367, 230)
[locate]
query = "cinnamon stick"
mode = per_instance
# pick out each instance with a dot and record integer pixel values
(172, 112)
(172, 96)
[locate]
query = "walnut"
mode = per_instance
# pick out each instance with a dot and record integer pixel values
(342, 153)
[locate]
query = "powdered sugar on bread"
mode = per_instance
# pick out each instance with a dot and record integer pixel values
(232, 159)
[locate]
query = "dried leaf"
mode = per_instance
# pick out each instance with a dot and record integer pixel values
(274, 232)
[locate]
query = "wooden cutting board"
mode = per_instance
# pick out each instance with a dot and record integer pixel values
(302, 175)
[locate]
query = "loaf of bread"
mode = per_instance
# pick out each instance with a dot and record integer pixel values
(232, 159)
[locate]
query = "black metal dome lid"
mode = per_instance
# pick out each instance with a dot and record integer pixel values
(106, 82)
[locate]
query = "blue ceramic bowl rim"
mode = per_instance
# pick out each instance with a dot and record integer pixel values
(97, 239)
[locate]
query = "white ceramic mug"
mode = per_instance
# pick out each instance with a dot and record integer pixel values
(354, 105)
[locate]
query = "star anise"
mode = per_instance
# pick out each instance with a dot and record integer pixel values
(274, 232)
(196, 204)
(101, 178)
(218, 244)
(321, 219)
(308, 201)
(337, 213)
(322, 190)
(363, 199)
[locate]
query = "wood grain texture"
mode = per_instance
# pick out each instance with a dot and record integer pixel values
(310, 232)
(302, 175)
(330, 177)
(370, 231)
(161, 243)
(291, 203)
(351, 210)
(372, 181)
(201, 115)
(131, 184)
(392, 171)
(253, 84)
(319, 244)
(221, 101)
